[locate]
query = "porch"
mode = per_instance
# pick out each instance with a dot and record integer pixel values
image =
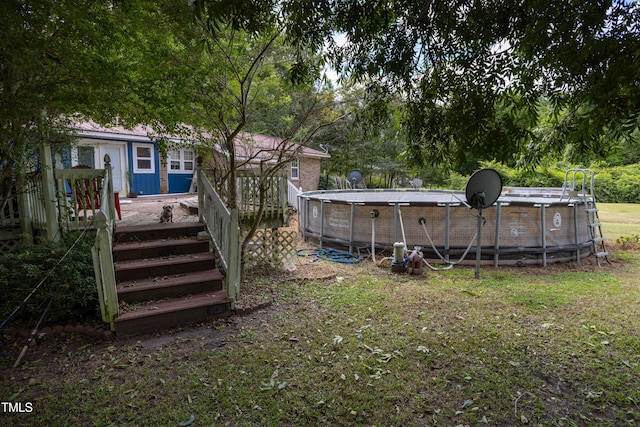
(206, 244)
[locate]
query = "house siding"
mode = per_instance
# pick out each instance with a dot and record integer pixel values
(145, 183)
(179, 183)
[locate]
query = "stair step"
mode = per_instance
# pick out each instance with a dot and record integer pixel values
(175, 312)
(158, 248)
(137, 233)
(163, 266)
(170, 286)
(602, 254)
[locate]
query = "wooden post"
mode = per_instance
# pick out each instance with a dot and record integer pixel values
(48, 191)
(104, 269)
(24, 209)
(200, 177)
(234, 257)
(108, 184)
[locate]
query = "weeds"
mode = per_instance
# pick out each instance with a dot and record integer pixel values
(629, 242)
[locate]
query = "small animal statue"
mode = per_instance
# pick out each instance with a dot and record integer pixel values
(167, 214)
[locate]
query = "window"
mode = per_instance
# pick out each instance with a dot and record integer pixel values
(143, 161)
(295, 169)
(181, 161)
(86, 156)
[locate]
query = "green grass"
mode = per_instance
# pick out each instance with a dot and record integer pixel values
(619, 219)
(519, 347)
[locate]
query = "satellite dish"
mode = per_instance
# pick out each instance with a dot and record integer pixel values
(483, 188)
(416, 183)
(355, 178)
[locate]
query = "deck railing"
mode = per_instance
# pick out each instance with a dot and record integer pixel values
(102, 251)
(224, 231)
(248, 183)
(292, 195)
(79, 193)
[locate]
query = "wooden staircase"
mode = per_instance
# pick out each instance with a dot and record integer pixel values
(166, 277)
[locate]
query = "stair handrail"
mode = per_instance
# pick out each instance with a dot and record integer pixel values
(292, 195)
(224, 231)
(102, 250)
(568, 186)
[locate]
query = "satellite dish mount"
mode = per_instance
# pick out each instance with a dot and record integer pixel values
(355, 178)
(482, 191)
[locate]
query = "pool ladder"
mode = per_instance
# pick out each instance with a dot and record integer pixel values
(579, 182)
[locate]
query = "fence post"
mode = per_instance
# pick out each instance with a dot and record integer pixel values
(103, 268)
(108, 183)
(234, 257)
(48, 191)
(201, 191)
(24, 209)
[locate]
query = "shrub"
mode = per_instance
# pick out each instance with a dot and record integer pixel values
(23, 269)
(618, 184)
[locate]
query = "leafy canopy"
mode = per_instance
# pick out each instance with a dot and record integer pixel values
(472, 74)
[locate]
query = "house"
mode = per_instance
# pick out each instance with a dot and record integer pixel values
(303, 170)
(138, 166)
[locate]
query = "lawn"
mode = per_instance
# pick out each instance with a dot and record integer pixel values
(358, 345)
(619, 219)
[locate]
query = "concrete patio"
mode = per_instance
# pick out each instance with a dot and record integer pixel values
(147, 209)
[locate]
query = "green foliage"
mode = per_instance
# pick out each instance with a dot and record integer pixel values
(619, 184)
(99, 59)
(22, 270)
(472, 74)
(629, 242)
(517, 177)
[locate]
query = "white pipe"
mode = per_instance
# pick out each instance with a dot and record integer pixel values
(404, 238)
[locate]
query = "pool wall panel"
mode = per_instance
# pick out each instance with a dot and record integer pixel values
(525, 229)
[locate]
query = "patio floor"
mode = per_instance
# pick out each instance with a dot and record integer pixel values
(147, 209)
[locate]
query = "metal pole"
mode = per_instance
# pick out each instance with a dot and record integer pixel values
(576, 229)
(321, 221)
(544, 235)
(353, 208)
(497, 243)
(479, 243)
(447, 230)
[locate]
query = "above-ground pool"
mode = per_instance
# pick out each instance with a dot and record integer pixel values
(525, 225)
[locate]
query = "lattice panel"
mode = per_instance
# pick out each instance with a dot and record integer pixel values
(273, 247)
(8, 245)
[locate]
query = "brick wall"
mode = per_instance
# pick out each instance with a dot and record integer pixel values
(309, 174)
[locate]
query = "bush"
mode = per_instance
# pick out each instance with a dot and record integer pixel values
(618, 184)
(23, 269)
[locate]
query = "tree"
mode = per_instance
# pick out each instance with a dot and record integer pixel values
(472, 73)
(236, 80)
(64, 58)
